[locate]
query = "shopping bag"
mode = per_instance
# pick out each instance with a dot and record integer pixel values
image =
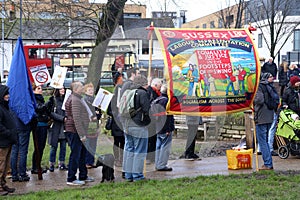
(239, 158)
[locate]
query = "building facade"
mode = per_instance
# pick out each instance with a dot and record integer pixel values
(258, 13)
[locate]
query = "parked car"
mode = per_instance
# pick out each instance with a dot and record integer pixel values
(78, 76)
(106, 80)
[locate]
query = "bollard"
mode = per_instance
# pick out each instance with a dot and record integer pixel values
(249, 128)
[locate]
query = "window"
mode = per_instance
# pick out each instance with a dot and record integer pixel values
(124, 48)
(203, 25)
(80, 13)
(212, 24)
(37, 53)
(229, 19)
(259, 42)
(220, 24)
(45, 15)
(61, 15)
(145, 47)
(297, 40)
(113, 48)
(132, 15)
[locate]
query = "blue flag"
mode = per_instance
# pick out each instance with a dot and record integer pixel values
(22, 101)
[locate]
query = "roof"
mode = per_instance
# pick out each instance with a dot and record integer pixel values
(57, 30)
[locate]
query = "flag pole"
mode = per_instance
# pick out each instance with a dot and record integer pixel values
(150, 36)
(255, 141)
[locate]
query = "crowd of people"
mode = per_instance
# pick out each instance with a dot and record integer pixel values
(144, 136)
(268, 103)
(75, 125)
(74, 122)
(138, 138)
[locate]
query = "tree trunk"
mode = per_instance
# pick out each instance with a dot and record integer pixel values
(95, 66)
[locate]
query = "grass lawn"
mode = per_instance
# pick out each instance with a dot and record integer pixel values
(261, 185)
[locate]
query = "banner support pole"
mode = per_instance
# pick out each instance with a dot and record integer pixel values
(150, 36)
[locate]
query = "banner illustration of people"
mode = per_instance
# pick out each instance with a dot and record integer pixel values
(219, 74)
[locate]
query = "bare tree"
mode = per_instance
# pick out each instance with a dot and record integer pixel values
(106, 27)
(232, 16)
(273, 18)
(72, 20)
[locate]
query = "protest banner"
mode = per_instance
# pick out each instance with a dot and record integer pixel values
(40, 74)
(102, 99)
(59, 76)
(209, 72)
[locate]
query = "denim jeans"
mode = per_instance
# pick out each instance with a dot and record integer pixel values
(230, 85)
(62, 151)
(40, 137)
(191, 88)
(272, 132)
(262, 137)
(135, 151)
(90, 145)
(19, 154)
(77, 158)
(163, 149)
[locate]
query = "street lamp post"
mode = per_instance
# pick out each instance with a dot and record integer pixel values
(21, 13)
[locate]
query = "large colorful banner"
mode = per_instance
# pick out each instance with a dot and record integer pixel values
(209, 72)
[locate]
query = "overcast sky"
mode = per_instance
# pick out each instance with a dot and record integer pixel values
(194, 8)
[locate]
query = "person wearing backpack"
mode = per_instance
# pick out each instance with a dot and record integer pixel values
(136, 132)
(164, 129)
(263, 117)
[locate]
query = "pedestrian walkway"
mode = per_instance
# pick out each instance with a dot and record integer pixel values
(181, 168)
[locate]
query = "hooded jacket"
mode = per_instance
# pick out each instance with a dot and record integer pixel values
(8, 131)
(270, 67)
(262, 114)
(291, 98)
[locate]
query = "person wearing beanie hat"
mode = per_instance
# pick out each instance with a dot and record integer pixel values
(140, 81)
(8, 137)
(290, 97)
(294, 80)
(264, 115)
(136, 133)
(267, 79)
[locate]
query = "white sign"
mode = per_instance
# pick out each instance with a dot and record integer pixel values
(102, 99)
(40, 74)
(67, 94)
(58, 77)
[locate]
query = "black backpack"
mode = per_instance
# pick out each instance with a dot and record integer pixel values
(156, 109)
(268, 99)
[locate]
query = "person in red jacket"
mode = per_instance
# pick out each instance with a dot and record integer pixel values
(241, 79)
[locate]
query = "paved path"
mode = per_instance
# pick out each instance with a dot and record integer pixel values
(181, 168)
